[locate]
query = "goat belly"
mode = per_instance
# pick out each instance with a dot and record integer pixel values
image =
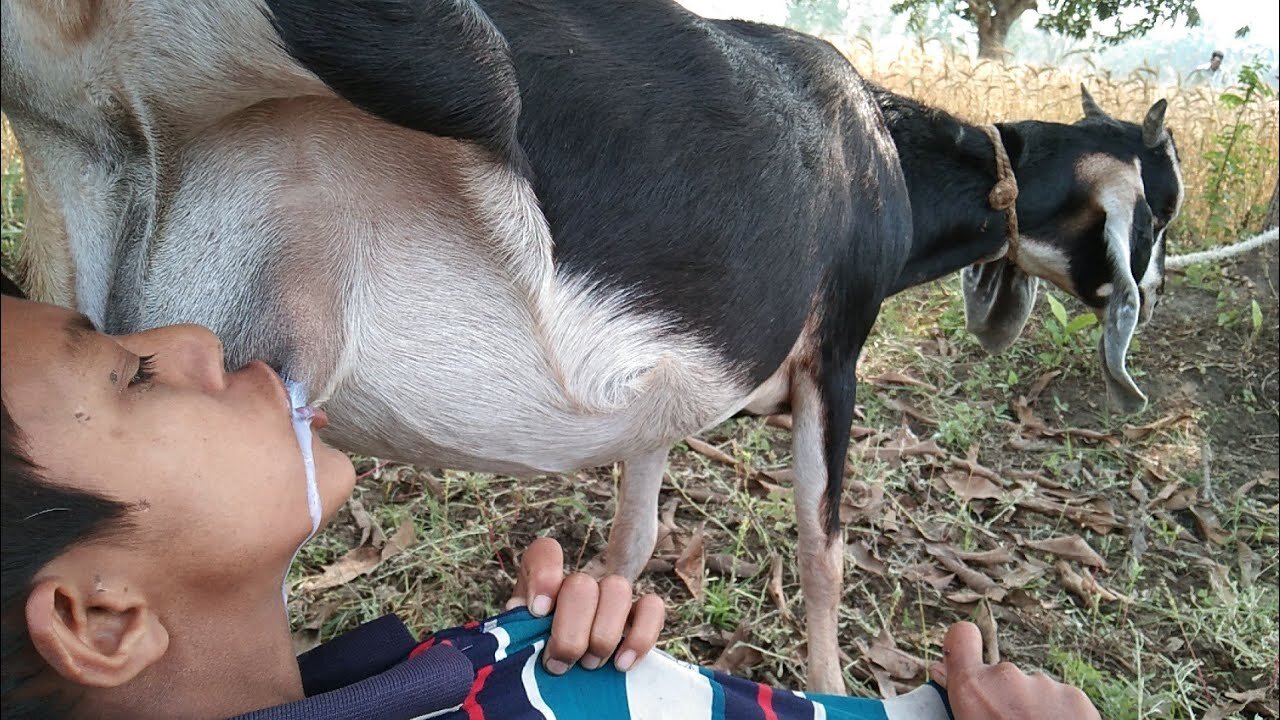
(485, 384)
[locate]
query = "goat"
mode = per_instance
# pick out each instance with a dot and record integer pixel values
(1093, 202)
(515, 237)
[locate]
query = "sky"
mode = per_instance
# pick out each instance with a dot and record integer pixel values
(1220, 20)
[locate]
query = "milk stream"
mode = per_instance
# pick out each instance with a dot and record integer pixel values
(301, 415)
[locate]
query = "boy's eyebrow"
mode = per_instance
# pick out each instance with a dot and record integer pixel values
(78, 330)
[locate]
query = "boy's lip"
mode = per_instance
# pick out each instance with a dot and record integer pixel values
(275, 381)
(319, 419)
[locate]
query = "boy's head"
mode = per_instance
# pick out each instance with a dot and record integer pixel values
(145, 491)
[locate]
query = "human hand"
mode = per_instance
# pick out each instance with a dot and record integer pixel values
(591, 617)
(977, 691)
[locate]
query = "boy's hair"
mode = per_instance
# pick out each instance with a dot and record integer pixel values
(39, 520)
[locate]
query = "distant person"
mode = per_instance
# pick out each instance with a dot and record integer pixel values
(1211, 73)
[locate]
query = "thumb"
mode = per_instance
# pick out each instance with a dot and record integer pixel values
(962, 649)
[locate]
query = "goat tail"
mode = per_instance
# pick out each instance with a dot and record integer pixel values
(1222, 253)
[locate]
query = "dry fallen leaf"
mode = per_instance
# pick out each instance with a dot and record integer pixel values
(1141, 431)
(770, 482)
(350, 566)
(971, 466)
(1219, 580)
(1249, 696)
(655, 566)
(897, 449)
(928, 574)
(1071, 547)
(1241, 700)
(897, 378)
(737, 654)
(1181, 499)
(401, 540)
(1095, 515)
(690, 566)
(1083, 585)
(972, 487)
(1210, 528)
(1023, 600)
(775, 585)
(667, 527)
(1029, 422)
(711, 451)
(977, 581)
(1021, 576)
(865, 505)
(865, 559)
(910, 411)
(364, 521)
(897, 663)
(995, 556)
(1038, 387)
(884, 682)
(726, 564)
(986, 623)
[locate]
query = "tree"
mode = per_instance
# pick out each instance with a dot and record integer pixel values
(1120, 19)
(817, 17)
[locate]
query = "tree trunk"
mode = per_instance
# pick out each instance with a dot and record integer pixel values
(990, 44)
(993, 19)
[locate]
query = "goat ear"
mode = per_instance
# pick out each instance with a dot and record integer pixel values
(1153, 132)
(1120, 319)
(439, 67)
(1090, 106)
(998, 299)
(1118, 325)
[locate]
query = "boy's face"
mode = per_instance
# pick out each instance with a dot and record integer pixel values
(207, 459)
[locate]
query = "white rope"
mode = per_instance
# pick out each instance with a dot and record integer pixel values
(1224, 252)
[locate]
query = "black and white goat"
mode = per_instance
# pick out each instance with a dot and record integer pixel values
(1093, 200)
(508, 235)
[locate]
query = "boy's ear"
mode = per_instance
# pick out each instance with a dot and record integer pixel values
(95, 637)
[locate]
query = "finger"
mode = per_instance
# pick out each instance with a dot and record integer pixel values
(938, 672)
(541, 573)
(571, 626)
(611, 619)
(1006, 674)
(647, 616)
(962, 648)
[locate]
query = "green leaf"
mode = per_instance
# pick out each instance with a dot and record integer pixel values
(1012, 377)
(1059, 312)
(1080, 322)
(1256, 316)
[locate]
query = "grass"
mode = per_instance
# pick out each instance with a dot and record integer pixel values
(1200, 605)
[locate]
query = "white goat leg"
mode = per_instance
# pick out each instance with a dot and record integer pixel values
(821, 562)
(635, 519)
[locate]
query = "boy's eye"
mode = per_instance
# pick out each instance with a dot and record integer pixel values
(145, 372)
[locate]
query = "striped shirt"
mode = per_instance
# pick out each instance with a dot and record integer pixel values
(491, 670)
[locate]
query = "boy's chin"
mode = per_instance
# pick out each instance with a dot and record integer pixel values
(336, 482)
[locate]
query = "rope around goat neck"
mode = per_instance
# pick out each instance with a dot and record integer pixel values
(1004, 194)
